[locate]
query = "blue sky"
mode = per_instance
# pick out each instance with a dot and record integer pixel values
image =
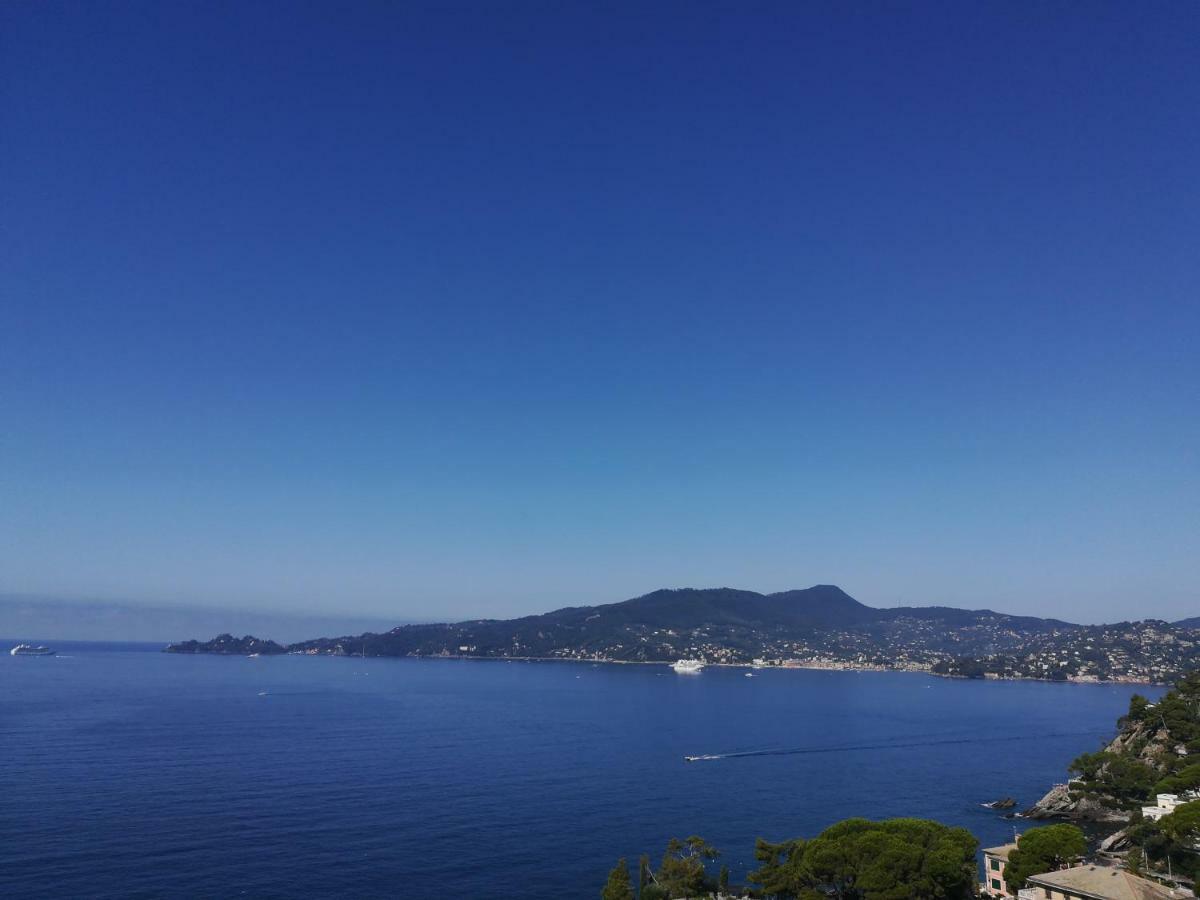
(483, 309)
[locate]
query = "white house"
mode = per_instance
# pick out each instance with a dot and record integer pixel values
(1166, 805)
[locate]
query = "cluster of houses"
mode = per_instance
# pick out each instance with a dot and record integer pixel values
(1080, 882)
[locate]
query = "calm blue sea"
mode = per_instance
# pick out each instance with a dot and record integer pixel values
(128, 772)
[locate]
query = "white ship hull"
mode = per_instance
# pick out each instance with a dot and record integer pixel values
(26, 650)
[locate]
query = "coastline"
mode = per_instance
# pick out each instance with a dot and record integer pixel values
(740, 665)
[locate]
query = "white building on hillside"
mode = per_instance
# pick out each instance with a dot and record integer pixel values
(1166, 805)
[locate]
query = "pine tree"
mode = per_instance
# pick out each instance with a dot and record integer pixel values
(1044, 849)
(618, 886)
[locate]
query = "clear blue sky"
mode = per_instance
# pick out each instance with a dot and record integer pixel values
(484, 309)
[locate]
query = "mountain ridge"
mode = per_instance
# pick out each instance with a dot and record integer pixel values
(827, 592)
(820, 626)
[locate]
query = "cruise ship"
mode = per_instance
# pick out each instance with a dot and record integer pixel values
(688, 666)
(30, 650)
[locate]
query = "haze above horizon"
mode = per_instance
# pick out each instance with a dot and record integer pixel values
(413, 312)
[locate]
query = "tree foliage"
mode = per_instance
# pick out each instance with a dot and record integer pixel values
(1170, 842)
(782, 869)
(682, 872)
(1186, 779)
(1138, 708)
(1133, 862)
(1179, 711)
(1182, 825)
(1043, 850)
(1124, 780)
(619, 886)
(858, 859)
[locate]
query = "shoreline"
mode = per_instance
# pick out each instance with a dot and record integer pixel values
(728, 665)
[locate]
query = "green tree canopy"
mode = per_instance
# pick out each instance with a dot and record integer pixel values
(682, 873)
(782, 867)
(1138, 706)
(1182, 825)
(1179, 710)
(1043, 850)
(1088, 765)
(1124, 779)
(858, 859)
(618, 886)
(1186, 779)
(1133, 862)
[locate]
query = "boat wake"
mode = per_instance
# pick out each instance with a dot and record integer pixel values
(899, 745)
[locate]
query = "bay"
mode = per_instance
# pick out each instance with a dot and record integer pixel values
(126, 772)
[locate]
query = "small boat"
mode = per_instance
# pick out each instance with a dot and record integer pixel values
(688, 666)
(30, 650)
(751, 675)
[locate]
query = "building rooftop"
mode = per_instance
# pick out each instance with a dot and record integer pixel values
(1104, 883)
(1001, 851)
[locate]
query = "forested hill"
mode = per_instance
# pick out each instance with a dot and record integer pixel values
(820, 625)
(823, 606)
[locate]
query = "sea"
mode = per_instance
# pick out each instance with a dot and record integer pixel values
(128, 772)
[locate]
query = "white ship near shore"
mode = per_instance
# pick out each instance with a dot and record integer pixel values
(688, 666)
(30, 650)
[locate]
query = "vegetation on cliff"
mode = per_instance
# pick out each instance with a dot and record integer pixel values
(856, 859)
(1156, 751)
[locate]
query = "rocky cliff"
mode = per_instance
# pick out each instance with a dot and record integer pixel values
(1156, 750)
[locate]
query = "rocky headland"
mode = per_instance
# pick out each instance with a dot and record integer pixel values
(229, 645)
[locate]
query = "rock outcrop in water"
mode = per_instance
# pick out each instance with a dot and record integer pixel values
(1061, 803)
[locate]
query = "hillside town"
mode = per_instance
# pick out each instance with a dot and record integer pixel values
(1150, 652)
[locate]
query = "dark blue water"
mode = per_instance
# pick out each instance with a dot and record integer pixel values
(132, 773)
